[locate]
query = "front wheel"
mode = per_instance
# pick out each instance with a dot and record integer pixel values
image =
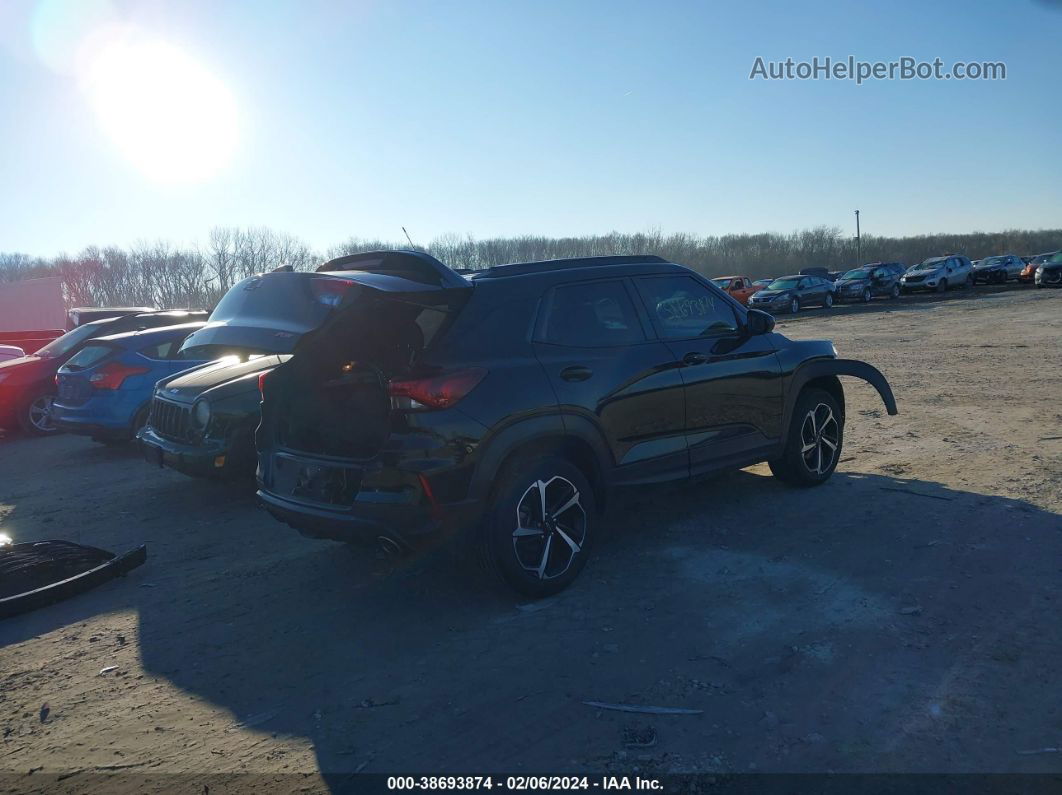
(538, 529)
(36, 417)
(866, 295)
(828, 301)
(794, 306)
(895, 291)
(813, 446)
(942, 287)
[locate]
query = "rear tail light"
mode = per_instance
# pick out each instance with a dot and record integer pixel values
(435, 392)
(111, 376)
(329, 290)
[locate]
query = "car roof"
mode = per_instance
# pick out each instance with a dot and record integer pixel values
(147, 335)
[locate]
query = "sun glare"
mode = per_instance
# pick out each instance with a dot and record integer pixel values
(165, 111)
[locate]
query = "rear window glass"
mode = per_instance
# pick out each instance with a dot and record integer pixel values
(280, 301)
(88, 356)
(592, 315)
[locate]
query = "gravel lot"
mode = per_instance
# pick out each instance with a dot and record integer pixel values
(903, 617)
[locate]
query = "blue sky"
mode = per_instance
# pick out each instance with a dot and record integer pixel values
(554, 118)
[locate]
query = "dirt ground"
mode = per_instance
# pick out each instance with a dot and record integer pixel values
(903, 617)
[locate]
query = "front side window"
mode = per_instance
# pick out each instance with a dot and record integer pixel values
(682, 308)
(592, 315)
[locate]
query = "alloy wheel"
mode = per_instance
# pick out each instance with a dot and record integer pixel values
(820, 436)
(550, 527)
(40, 414)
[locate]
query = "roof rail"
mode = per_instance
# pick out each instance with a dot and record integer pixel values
(521, 268)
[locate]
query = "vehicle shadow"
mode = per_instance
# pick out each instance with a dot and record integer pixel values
(841, 611)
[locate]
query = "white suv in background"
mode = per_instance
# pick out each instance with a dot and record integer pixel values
(937, 274)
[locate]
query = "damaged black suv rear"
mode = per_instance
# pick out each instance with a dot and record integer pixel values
(502, 407)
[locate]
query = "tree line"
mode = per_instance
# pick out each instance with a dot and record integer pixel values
(167, 276)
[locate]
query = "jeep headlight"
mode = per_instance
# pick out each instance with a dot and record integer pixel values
(201, 413)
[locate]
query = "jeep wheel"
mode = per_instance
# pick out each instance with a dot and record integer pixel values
(895, 291)
(813, 447)
(538, 529)
(36, 417)
(827, 302)
(794, 306)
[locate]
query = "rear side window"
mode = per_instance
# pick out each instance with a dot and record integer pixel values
(164, 350)
(683, 308)
(89, 356)
(592, 315)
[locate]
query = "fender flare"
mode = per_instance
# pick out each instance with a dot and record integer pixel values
(819, 368)
(494, 450)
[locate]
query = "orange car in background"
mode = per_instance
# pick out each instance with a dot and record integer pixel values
(740, 287)
(1028, 273)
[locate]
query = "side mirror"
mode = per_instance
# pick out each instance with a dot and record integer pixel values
(759, 322)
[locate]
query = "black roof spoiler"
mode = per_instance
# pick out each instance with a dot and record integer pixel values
(415, 266)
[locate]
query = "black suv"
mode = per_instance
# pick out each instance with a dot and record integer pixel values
(504, 405)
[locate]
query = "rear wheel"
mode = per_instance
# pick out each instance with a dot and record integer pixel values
(813, 446)
(36, 416)
(539, 527)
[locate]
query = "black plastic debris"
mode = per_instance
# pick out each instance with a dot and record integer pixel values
(36, 574)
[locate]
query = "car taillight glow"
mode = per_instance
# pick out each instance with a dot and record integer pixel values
(329, 290)
(111, 376)
(437, 391)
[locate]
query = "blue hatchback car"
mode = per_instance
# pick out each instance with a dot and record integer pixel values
(105, 390)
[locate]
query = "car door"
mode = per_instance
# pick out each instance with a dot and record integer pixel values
(606, 365)
(732, 379)
(742, 290)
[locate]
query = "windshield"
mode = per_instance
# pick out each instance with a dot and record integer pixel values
(930, 265)
(784, 284)
(66, 343)
(994, 261)
(857, 273)
(724, 283)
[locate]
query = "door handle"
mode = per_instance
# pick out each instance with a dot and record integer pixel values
(693, 358)
(577, 373)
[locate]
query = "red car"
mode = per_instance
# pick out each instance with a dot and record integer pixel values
(27, 384)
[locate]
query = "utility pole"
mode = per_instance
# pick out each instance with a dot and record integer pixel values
(859, 244)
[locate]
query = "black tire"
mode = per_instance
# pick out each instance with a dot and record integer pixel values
(800, 465)
(866, 295)
(538, 564)
(827, 302)
(794, 306)
(942, 286)
(30, 418)
(894, 292)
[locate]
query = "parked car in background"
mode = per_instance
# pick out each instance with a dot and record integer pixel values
(739, 288)
(835, 275)
(937, 274)
(822, 273)
(27, 385)
(862, 284)
(202, 421)
(11, 352)
(104, 391)
(1049, 274)
(793, 293)
(997, 270)
(762, 282)
(423, 410)
(1028, 273)
(81, 315)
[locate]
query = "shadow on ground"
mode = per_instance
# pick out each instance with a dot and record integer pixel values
(873, 624)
